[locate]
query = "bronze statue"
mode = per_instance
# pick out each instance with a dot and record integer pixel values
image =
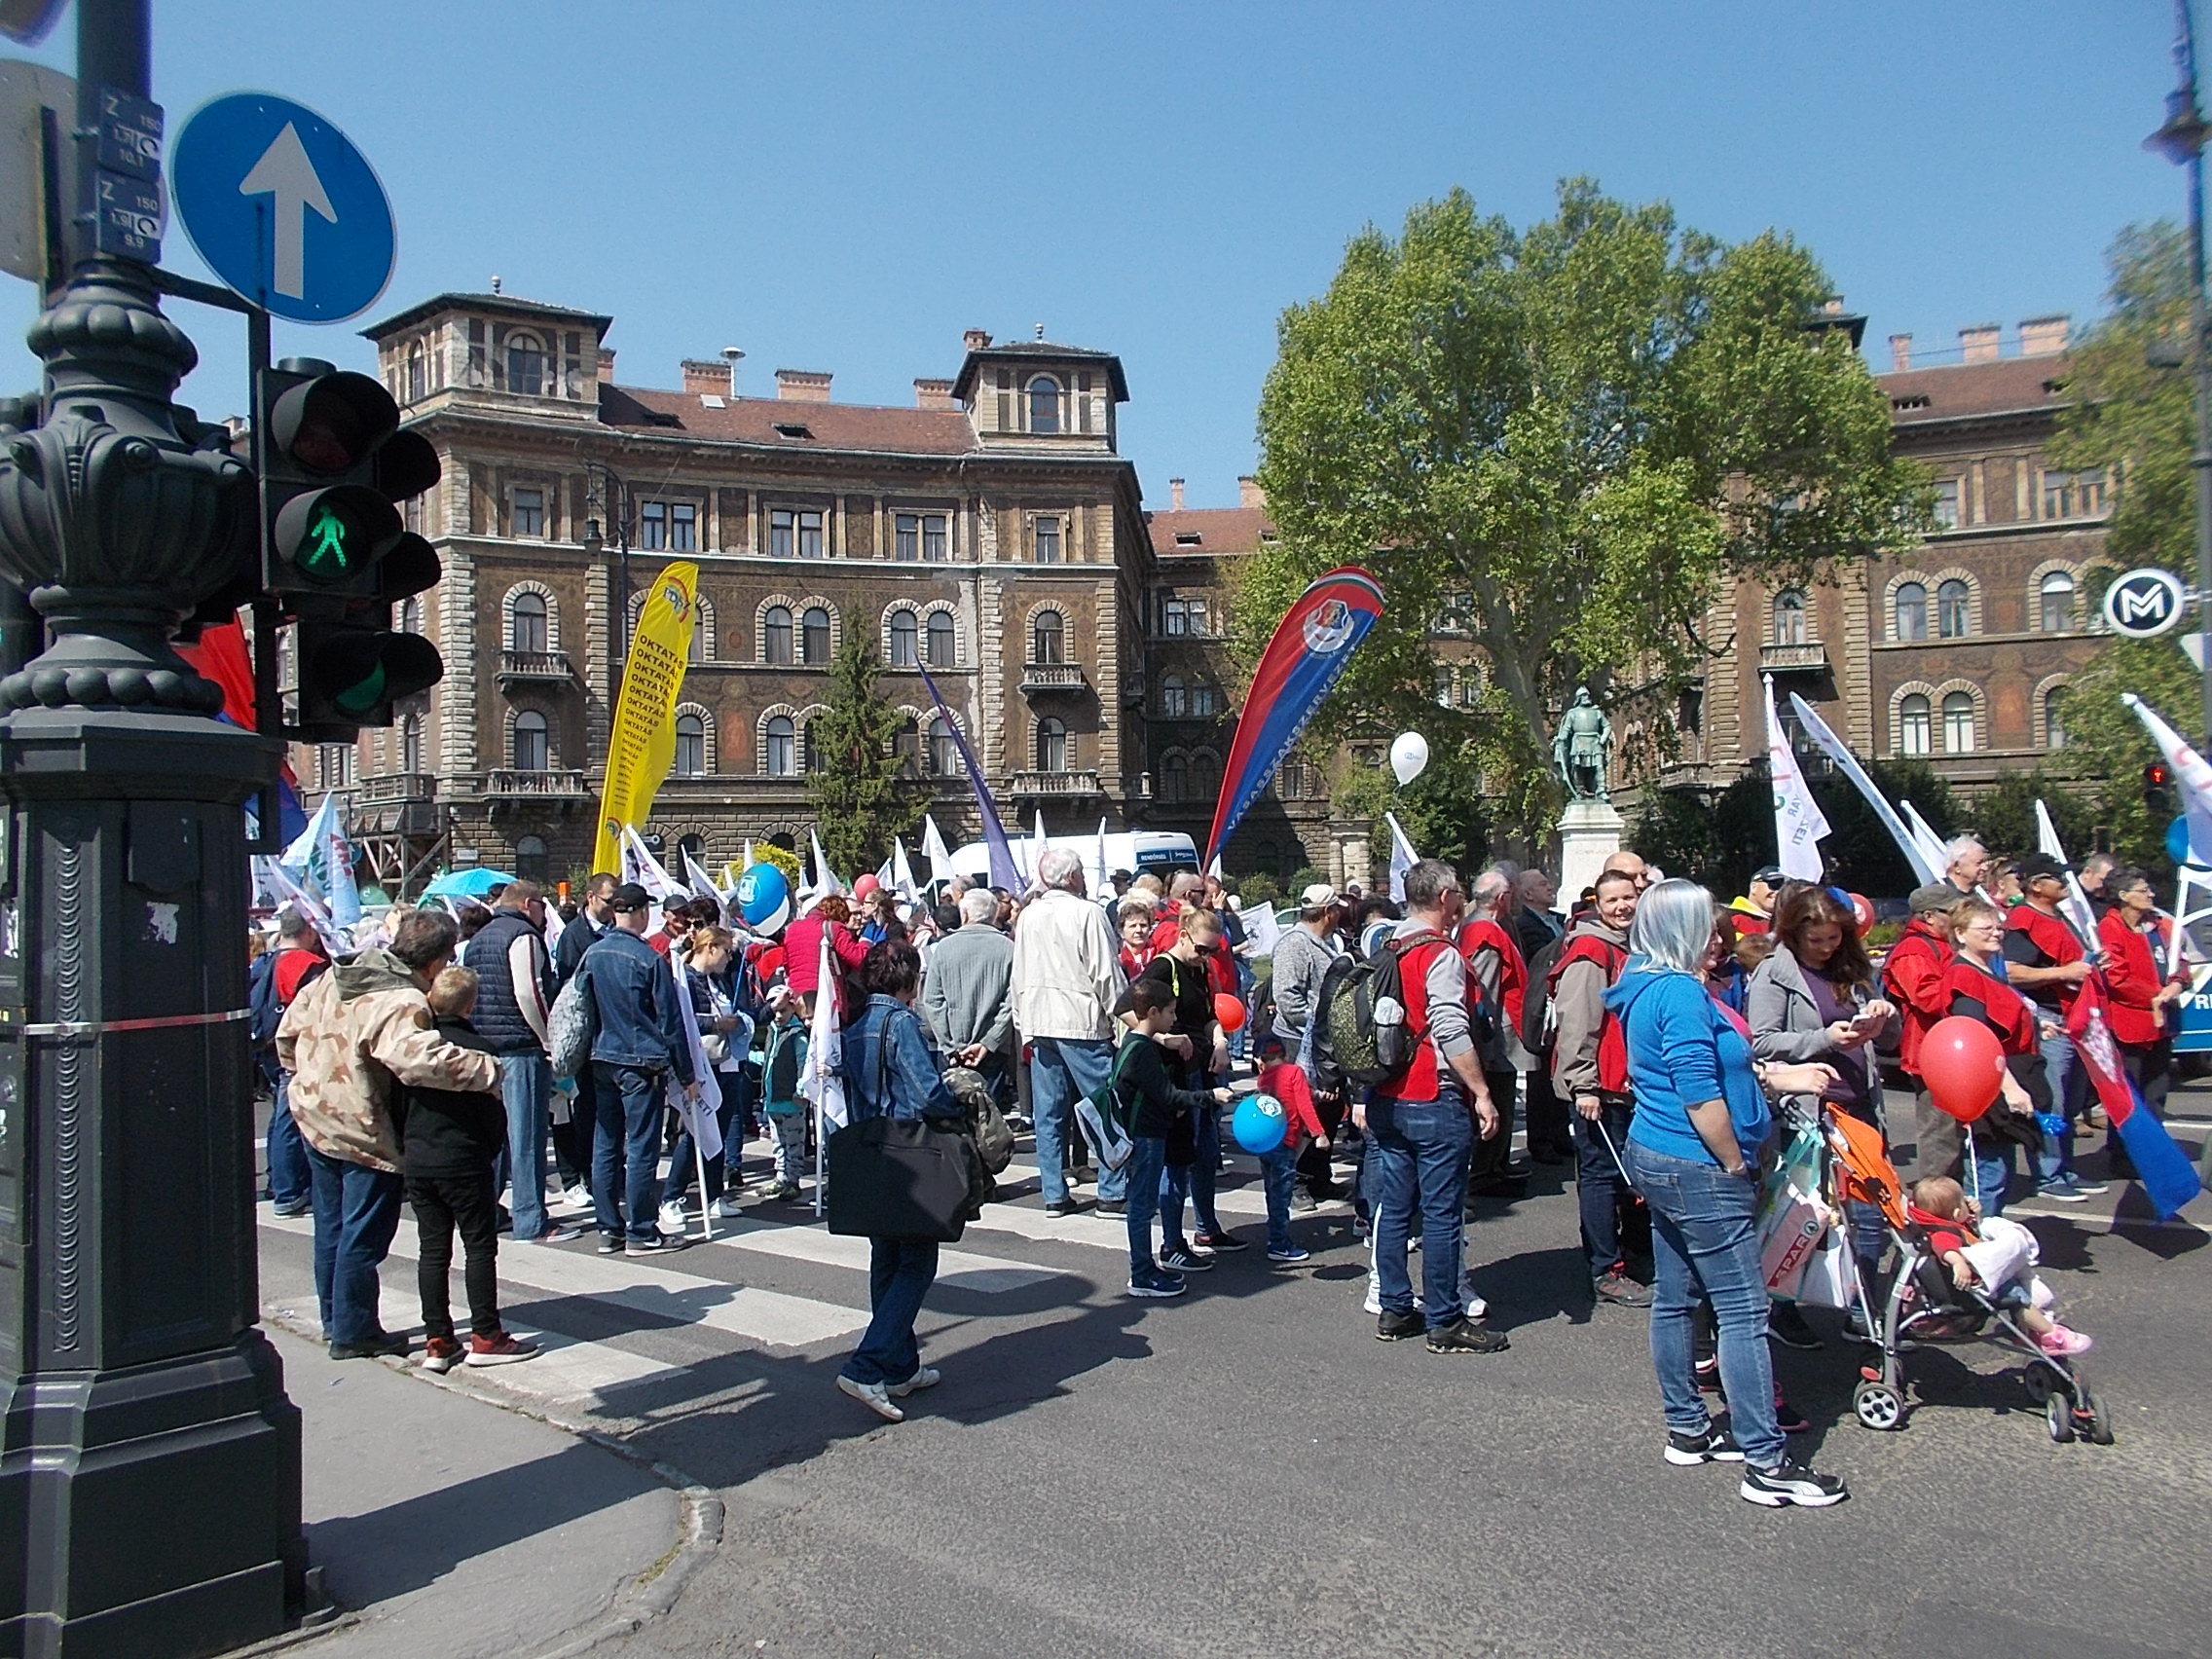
(1583, 748)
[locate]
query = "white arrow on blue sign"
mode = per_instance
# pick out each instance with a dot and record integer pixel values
(283, 207)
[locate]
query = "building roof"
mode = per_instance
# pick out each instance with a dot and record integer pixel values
(1219, 530)
(1031, 351)
(528, 311)
(1957, 391)
(756, 420)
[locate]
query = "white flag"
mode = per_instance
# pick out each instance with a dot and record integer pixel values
(1101, 878)
(1403, 857)
(903, 873)
(935, 850)
(2190, 771)
(2075, 903)
(702, 883)
(1798, 824)
(824, 1085)
(825, 883)
(1840, 751)
(1214, 869)
(641, 867)
(1037, 851)
(746, 863)
(1260, 929)
(1923, 836)
(699, 1117)
(321, 860)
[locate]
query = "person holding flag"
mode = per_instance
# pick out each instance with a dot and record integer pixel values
(2045, 961)
(2140, 997)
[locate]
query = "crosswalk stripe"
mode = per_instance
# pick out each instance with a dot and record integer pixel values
(960, 1270)
(1250, 1201)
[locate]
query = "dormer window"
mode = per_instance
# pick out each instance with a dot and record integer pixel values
(1188, 538)
(794, 430)
(526, 365)
(1044, 404)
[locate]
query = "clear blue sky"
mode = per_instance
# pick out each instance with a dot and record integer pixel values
(847, 187)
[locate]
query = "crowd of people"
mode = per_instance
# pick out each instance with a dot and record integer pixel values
(1647, 1036)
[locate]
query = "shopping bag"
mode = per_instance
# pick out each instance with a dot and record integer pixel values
(1826, 1280)
(1791, 1219)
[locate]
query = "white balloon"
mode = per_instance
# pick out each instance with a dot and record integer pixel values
(1409, 753)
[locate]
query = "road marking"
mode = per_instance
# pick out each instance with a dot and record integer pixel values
(962, 1270)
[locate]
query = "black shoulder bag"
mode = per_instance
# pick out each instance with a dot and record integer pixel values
(906, 1178)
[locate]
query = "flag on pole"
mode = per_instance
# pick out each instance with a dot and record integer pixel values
(640, 745)
(321, 861)
(823, 1086)
(903, 873)
(1925, 836)
(700, 1115)
(274, 876)
(1403, 857)
(2076, 904)
(935, 850)
(2190, 771)
(636, 862)
(702, 883)
(2168, 1179)
(1037, 847)
(1798, 822)
(746, 863)
(1004, 872)
(825, 883)
(1840, 753)
(1101, 878)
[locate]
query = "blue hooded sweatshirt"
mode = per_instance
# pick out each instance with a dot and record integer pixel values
(1683, 1051)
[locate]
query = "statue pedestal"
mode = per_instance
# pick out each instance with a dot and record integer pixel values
(1589, 834)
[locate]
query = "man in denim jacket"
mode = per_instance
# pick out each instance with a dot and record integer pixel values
(643, 1034)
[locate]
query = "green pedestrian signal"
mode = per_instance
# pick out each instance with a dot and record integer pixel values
(324, 557)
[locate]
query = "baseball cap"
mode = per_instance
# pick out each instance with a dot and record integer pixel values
(2037, 864)
(1771, 874)
(1936, 896)
(630, 897)
(1318, 895)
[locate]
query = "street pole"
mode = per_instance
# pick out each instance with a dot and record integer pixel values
(149, 1458)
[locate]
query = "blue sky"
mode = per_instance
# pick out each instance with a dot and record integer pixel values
(848, 187)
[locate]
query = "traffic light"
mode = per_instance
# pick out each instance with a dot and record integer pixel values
(335, 465)
(2158, 790)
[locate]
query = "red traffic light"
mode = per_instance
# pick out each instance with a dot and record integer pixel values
(2158, 774)
(333, 423)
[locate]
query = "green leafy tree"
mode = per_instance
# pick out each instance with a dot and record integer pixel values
(1859, 853)
(2005, 817)
(1560, 443)
(768, 853)
(2106, 746)
(863, 793)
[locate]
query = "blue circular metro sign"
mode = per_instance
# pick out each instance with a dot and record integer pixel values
(283, 207)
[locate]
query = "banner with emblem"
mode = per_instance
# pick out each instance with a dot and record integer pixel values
(642, 746)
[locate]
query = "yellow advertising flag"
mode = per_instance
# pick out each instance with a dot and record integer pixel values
(642, 746)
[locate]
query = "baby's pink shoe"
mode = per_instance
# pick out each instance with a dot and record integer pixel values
(2059, 1341)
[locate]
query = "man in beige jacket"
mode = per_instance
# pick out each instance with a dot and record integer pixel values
(352, 1041)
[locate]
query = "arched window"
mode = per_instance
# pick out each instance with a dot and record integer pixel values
(1046, 638)
(940, 639)
(417, 373)
(1172, 702)
(1174, 779)
(1912, 612)
(945, 749)
(1958, 723)
(533, 742)
(1951, 610)
(530, 859)
(776, 635)
(1044, 404)
(410, 618)
(2055, 717)
(781, 742)
(526, 364)
(1789, 617)
(2056, 604)
(690, 747)
(1052, 746)
(527, 623)
(814, 637)
(1206, 776)
(411, 743)
(1913, 721)
(905, 633)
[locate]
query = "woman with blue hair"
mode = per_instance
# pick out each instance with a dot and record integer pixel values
(1701, 1121)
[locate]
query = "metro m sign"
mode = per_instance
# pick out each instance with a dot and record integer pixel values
(2143, 603)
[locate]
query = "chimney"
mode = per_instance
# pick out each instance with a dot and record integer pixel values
(975, 340)
(934, 394)
(1980, 343)
(2040, 336)
(703, 377)
(606, 364)
(1174, 494)
(802, 385)
(733, 355)
(1900, 353)
(1249, 494)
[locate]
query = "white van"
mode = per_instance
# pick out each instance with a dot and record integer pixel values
(1136, 851)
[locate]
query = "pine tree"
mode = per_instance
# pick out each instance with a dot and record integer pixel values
(861, 791)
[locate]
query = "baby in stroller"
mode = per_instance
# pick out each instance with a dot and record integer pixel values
(1993, 1255)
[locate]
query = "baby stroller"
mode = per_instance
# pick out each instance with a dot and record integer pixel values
(1924, 1303)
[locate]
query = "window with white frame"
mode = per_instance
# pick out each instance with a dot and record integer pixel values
(1046, 539)
(1788, 618)
(1947, 503)
(2054, 602)
(1954, 609)
(1958, 723)
(780, 745)
(1174, 703)
(652, 527)
(944, 747)
(1911, 606)
(794, 532)
(1914, 719)
(919, 535)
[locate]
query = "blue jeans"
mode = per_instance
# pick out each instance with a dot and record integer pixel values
(291, 1181)
(2069, 1091)
(900, 1274)
(1195, 1181)
(1279, 1172)
(356, 1213)
(629, 1100)
(525, 1082)
(1423, 1147)
(1599, 1190)
(1148, 1156)
(1705, 1246)
(1062, 1070)
(1990, 1171)
(684, 1161)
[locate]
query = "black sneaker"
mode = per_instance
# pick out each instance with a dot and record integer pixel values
(1786, 1324)
(1113, 1206)
(1714, 1446)
(1221, 1242)
(1789, 1482)
(1069, 1206)
(1621, 1291)
(1460, 1337)
(378, 1346)
(1183, 1261)
(1392, 1327)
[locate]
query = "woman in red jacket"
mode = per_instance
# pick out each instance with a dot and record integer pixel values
(1973, 989)
(2141, 995)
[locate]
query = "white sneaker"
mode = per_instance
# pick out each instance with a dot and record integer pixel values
(1374, 1302)
(1477, 1307)
(673, 1220)
(577, 1197)
(925, 1377)
(729, 1209)
(873, 1395)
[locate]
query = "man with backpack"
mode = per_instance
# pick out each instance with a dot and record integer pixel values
(1420, 1117)
(1497, 981)
(1590, 1069)
(277, 978)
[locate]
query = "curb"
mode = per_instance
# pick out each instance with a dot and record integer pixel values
(638, 1601)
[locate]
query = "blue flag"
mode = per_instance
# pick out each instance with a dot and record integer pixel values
(1004, 872)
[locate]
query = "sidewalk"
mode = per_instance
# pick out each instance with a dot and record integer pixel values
(446, 1524)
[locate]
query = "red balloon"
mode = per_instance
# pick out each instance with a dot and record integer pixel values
(1963, 1065)
(770, 962)
(865, 888)
(1863, 911)
(1229, 1011)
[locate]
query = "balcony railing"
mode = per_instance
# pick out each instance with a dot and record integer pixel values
(507, 783)
(394, 787)
(1051, 676)
(1809, 656)
(519, 666)
(1057, 786)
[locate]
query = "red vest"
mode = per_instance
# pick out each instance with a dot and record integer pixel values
(1419, 1081)
(1612, 1045)
(1512, 971)
(2005, 1012)
(1913, 975)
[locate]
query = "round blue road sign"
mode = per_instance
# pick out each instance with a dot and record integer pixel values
(283, 207)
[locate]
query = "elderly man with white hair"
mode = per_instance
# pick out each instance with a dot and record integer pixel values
(967, 991)
(1067, 977)
(1966, 864)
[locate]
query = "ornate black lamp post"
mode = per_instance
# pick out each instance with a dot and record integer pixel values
(149, 1459)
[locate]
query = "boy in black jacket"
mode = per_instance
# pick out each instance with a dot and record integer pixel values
(451, 1143)
(1148, 1100)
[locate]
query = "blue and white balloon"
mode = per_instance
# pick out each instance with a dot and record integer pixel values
(1260, 1124)
(764, 899)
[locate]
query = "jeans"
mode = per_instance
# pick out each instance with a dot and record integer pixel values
(1491, 1159)
(684, 1161)
(573, 1140)
(1062, 1070)
(1598, 1189)
(1148, 1156)
(1990, 1171)
(443, 1206)
(630, 1101)
(900, 1274)
(1705, 1245)
(525, 1082)
(291, 1183)
(1195, 1181)
(1279, 1171)
(2069, 1090)
(1423, 1147)
(356, 1213)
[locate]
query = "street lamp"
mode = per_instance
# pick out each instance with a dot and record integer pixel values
(2181, 140)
